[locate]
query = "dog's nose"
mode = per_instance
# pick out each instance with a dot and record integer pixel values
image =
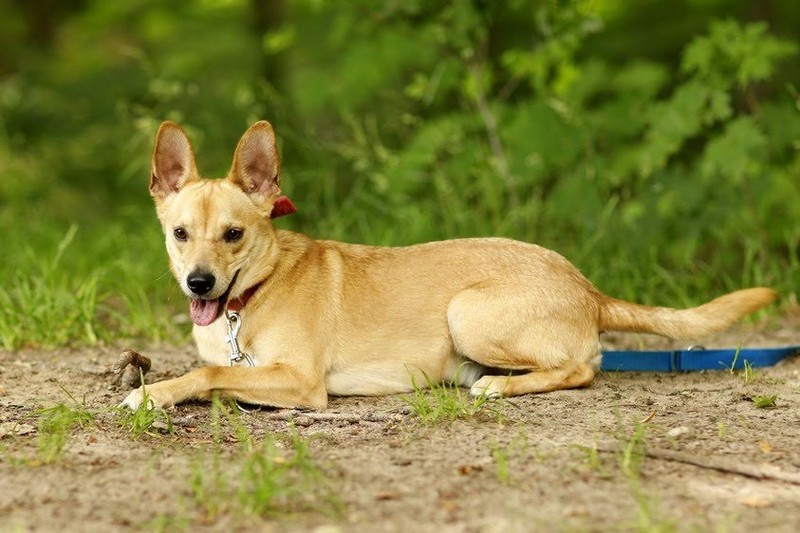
(200, 283)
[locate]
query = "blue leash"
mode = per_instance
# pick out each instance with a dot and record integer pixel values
(693, 358)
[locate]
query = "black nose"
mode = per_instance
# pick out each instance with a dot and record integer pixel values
(200, 283)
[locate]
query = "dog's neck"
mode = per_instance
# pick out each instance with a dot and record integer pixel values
(276, 262)
(236, 304)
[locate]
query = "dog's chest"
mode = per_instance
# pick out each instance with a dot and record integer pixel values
(214, 348)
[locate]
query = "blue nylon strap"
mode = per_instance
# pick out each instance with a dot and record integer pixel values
(694, 359)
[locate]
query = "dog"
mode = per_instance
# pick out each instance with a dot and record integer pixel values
(320, 317)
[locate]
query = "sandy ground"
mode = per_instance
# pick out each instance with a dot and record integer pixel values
(553, 462)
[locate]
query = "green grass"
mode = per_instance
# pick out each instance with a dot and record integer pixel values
(54, 426)
(631, 453)
(99, 281)
(504, 456)
(446, 402)
(749, 375)
(630, 458)
(145, 418)
(41, 305)
(80, 286)
(627, 461)
(267, 477)
(593, 460)
(765, 402)
(168, 523)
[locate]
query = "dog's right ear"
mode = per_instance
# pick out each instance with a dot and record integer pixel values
(172, 165)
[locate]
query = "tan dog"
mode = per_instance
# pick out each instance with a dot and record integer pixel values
(323, 317)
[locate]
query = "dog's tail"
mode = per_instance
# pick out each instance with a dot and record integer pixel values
(694, 323)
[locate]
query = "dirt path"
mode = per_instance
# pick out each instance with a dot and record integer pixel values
(563, 461)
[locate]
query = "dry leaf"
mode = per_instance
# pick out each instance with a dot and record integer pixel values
(13, 428)
(449, 505)
(756, 501)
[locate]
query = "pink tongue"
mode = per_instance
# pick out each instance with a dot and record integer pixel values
(204, 312)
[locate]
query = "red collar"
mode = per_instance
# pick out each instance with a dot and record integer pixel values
(236, 304)
(282, 206)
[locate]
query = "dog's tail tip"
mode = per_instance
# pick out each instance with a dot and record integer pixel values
(757, 296)
(744, 301)
(694, 323)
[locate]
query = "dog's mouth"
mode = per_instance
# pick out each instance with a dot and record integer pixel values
(205, 312)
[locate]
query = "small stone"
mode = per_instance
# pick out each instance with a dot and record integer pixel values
(160, 426)
(302, 421)
(328, 529)
(184, 421)
(756, 502)
(678, 432)
(95, 370)
(8, 429)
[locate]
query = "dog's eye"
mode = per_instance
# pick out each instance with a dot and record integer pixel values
(180, 234)
(233, 234)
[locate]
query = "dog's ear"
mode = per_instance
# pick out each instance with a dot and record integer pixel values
(256, 166)
(172, 165)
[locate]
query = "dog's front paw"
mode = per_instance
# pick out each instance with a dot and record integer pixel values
(138, 396)
(490, 387)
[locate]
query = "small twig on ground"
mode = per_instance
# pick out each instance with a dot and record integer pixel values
(712, 463)
(129, 368)
(306, 418)
(648, 418)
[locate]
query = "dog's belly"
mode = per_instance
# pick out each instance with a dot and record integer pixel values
(396, 375)
(372, 379)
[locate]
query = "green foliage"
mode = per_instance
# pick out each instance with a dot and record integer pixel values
(732, 53)
(661, 157)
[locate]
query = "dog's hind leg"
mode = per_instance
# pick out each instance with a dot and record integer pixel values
(548, 343)
(570, 376)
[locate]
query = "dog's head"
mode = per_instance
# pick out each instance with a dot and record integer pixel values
(219, 233)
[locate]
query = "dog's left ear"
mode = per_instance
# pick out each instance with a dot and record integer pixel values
(256, 166)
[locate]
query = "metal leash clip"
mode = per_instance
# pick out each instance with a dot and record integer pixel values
(234, 323)
(695, 348)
